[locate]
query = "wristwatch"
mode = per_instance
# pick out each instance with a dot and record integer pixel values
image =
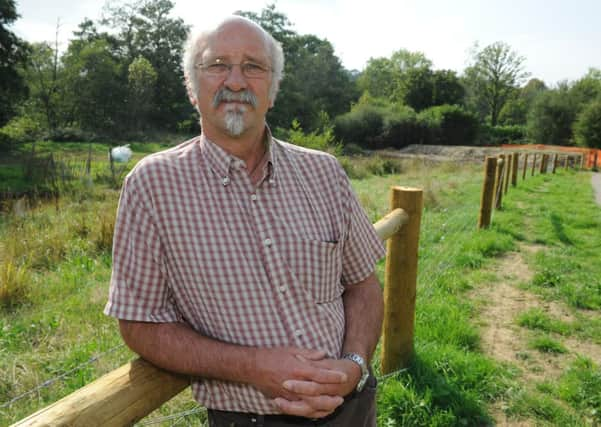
(354, 357)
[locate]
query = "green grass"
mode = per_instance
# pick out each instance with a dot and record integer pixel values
(56, 326)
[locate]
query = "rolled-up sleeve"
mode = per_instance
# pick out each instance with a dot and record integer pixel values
(362, 246)
(139, 288)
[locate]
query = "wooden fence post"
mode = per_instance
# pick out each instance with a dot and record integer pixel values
(581, 162)
(555, 160)
(543, 163)
(595, 161)
(533, 164)
(499, 182)
(567, 161)
(507, 172)
(514, 169)
(488, 192)
(525, 166)
(400, 281)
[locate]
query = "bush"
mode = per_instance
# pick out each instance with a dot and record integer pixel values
(378, 125)
(587, 128)
(449, 125)
(19, 130)
(321, 139)
(497, 135)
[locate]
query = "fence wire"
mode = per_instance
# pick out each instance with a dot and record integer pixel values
(65, 374)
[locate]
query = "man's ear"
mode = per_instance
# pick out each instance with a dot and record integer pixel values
(191, 95)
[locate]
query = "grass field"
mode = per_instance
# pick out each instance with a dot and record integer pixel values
(55, 267)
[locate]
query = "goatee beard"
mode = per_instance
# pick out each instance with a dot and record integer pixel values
(234, 119)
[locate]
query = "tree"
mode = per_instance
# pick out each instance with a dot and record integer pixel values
(551, 117)
(495, 73)
(141, 82)
(515, 111)
(587, 127)
(314, 79)
(447, 88)
(13, 55)
(44, 81)
(146, 29)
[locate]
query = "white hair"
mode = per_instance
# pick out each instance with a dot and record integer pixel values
(197, 43)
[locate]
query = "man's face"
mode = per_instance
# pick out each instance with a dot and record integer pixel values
(233, 104)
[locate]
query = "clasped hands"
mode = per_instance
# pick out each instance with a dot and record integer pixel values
(304, 382)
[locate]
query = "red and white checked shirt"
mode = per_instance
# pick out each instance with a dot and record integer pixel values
(265, 265)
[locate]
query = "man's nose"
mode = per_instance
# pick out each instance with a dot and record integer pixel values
(235, 80)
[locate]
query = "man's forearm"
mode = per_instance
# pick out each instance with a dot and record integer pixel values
(177, 347)
(363, 311)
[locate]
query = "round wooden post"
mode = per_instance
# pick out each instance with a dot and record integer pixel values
(567, 161)
(543, 163)
(507, 172)
(533, 164)
(581, 162)
(499, 182)
(554, 162)
(400, 281)
(595, 160)
(525, 166)
(488, 192)
(514, 169)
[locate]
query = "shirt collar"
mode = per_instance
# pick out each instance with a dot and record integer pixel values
(221, 162)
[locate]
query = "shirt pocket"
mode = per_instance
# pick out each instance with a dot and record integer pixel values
(316, 266)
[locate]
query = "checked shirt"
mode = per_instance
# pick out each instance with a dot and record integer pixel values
(256, 265)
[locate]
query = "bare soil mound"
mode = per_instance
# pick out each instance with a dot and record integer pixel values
(456, 153)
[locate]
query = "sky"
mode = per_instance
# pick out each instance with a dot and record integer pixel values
(560, 39)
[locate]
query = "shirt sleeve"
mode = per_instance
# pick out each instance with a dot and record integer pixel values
(138, 289)
(362, 246)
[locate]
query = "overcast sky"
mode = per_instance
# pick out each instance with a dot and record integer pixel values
(560, 39)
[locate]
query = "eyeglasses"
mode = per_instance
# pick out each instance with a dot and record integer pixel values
(218, 68)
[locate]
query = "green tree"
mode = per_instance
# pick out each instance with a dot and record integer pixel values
(145, 28)
(378, 79)
(94, 89)
(496, 72)
(587, 127)
(551, 117)
(447, 88)
(43, 75)
(515, 111)
(141, 82)
(314, 79)
(13, 55)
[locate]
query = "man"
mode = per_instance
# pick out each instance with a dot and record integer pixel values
(246, 262)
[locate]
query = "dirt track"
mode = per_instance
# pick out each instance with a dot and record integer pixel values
(596, 183)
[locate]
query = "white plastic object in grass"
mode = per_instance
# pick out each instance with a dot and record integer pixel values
(121, 154)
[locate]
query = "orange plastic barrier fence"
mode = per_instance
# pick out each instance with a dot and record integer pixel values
(588, 152)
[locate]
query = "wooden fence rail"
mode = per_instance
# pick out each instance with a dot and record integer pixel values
(131, 392)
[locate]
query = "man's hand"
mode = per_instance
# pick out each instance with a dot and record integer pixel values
(275, 366)
(317, 399)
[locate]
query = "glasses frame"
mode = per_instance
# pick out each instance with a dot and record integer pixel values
(205, 67)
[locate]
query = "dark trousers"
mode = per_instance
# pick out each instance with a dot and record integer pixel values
(358, 410)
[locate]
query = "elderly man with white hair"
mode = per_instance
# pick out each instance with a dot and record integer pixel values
(247, 262)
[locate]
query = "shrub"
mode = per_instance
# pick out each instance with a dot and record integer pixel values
(321, 139)
(20, 129)
(497, 135)
(587, 128)
(378, 125)
(449, 125)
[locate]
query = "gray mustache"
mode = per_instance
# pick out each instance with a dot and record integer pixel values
(229, 96)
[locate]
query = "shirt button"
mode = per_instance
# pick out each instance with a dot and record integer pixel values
(298, 332)
(253, 197)
(267, 242)
(225, 180)
(283, 288)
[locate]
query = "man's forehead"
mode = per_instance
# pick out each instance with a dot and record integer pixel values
(237, 38)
